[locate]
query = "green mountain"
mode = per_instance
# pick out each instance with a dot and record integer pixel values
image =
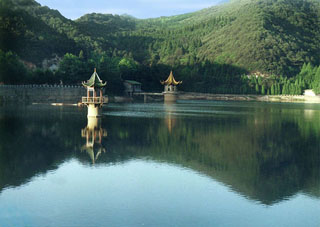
(274, 36)
(240, 36)
(24, 30)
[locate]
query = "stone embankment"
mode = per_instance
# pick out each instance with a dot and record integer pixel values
(41, 93)
(72, 95)
(270, 98)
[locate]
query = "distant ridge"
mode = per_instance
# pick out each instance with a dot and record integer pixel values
(271, 36)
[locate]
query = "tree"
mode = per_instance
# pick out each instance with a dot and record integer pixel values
(272, 89)
(257, 89)
(263, 91)
(81, 54)
(74, 70)
(127, 67)
(12, 70)
(109, 71)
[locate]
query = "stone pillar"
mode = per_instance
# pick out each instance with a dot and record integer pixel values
(94, 110)
(170, 97)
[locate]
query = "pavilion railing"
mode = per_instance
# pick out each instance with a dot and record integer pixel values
(94, 100)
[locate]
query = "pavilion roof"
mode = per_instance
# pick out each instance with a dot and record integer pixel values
(94, 81)
(170, 80)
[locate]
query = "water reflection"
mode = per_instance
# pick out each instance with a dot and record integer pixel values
(170, 120)
(93, 134)
(267, 153)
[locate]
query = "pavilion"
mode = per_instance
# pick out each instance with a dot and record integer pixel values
(170, 88)
(94, 102)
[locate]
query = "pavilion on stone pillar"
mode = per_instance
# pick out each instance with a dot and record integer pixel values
(170, 85)
(94, 85)
(94, 99)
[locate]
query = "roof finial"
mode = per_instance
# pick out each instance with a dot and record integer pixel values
(95, 70)
(171, 80)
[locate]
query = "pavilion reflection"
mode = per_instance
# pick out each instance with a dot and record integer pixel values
(170, 119)
(94, 135)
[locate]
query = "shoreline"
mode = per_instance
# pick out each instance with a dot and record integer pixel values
(249, 97)
(212, 97)
(71, 95)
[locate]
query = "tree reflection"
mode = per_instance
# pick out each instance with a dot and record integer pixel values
(267, 154)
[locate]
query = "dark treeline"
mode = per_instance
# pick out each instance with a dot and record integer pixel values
(307, 78)
(207, 77)
(75, 69)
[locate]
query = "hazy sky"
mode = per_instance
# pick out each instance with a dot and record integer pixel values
(74, 9)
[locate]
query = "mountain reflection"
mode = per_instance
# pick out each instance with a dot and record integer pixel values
(266, 153)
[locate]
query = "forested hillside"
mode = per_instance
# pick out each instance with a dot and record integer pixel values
(210, 49)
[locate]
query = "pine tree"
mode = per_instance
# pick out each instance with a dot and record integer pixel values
(257, 89)
(263, 92)
(278, 89)
(81, 54)
(284, 89)
(272, 89)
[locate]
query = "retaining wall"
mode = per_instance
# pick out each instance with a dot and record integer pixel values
(41, 93)
(73, 94)
(270, 98)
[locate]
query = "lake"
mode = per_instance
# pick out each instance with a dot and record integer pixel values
(193, 163)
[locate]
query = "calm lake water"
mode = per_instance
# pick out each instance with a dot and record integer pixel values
(192, 163)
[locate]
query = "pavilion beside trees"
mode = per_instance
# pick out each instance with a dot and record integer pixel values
(170, 88)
